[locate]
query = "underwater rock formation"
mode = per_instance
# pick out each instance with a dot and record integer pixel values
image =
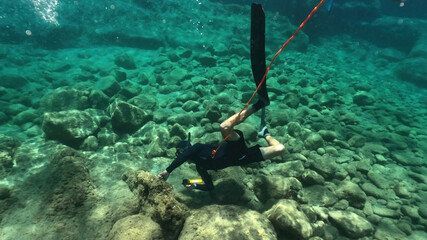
(70, 183)
(157, 200)
(218, 222)
(127, 118)
(69, 127)
(274, 187)
(351, 224)
(65, 99)
(135, 227)
(286, 217)
(8, 146)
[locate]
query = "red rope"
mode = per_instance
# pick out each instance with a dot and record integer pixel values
(268, 69)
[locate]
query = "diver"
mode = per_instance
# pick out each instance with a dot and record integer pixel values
(234, 151)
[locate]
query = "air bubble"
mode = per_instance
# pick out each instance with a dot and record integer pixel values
(28, 32)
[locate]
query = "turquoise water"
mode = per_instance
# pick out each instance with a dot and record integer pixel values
(93, 91)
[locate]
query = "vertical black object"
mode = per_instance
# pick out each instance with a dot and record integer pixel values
(258, 50)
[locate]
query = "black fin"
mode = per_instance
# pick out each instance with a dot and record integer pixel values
(258, 50)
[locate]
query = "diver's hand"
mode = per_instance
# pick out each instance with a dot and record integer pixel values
(163, 175)
(189, 186)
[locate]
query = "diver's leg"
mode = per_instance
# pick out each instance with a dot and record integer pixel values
(227, 126)
(274, 149)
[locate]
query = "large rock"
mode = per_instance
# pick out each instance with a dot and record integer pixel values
(8, 146)
(108, 85)
(69, 127)
(319, 195)
(387, 229)
(289, 169)
(125, 61)
(351, 224)
(276, 187)
(136, 227)
(157, 200)
(65, 99)
(226, 222)
(413, 70)
(352, 193)
(12, 81)
(287, 217)
(127, 118)
(325, 166)
(313, 141)
(363, 98)
(227, 191)
(69, 184)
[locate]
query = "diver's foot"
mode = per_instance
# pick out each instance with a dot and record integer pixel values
(263, 132)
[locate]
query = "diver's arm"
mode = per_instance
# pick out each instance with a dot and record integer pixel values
(208, 185)
(184, 157)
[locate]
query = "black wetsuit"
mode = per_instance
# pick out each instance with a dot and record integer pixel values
(232, 153)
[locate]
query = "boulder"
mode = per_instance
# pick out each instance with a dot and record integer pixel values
(69, 127)
(157, 200)
(177, 76)
(291, 100)
(279, 118)
(26, 116)
(294, 129)
(363, 98)
(357, 141)
(206, 59)
(328, 135)
(108, 85)
(12, 81)
(65, 99)
(319, 195)
(287, 217)
(127, 118)
(372, 190)
(125, 61)
(275, 187)
(288, 169)
(325, 166)
(413, 70)
(310, 177)
(387, 229)
(313, 141)
(136, 227)
(98, 100)
(69, 184)
(8, 146)
(227, 191)
(216, 222)
(351, 224)
(191, 106)
(352, 193)
(212, 112)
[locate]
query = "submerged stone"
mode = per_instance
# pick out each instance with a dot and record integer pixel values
(127, 118)
(69, 127)
(352, 193)
(12, 81)
(135, 227)
(313, 141)
(413, 70)
(125, 61)
(363, 98)
(286, 216)
(65, 99)
(157, 200)
(219, 222)
(351, 224)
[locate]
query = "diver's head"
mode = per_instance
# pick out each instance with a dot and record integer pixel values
(183, 145)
